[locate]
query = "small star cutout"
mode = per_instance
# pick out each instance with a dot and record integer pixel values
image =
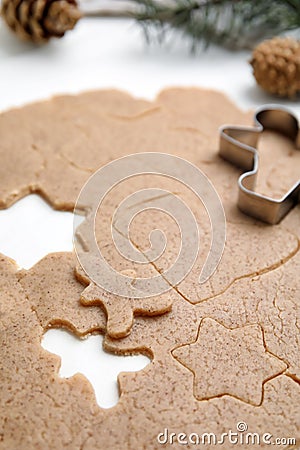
(30, 229)
(229, 361)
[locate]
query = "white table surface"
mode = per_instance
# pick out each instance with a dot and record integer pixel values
(101, 54)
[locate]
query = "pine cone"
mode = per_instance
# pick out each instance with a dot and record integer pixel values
(276, 66)
(39, 20)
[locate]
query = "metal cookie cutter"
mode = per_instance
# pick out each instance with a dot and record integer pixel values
(239, 146)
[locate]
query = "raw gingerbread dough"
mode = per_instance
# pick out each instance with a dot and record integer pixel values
(40, 410)
(250, 306)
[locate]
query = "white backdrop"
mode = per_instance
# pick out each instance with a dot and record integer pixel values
(112, 53)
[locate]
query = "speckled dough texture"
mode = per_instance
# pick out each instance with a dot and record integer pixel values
(222, 353)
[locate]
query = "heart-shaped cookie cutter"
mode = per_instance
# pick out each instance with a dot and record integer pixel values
(238, 145)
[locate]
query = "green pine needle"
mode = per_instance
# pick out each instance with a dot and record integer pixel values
(233, 24)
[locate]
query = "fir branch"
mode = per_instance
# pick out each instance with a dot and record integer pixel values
(230, 23)
(234, 24)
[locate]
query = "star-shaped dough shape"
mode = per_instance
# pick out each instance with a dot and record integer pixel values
(120, 311)
(229, 361)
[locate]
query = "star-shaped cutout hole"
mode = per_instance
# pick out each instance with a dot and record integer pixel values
(231, 362)
(31, 229)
